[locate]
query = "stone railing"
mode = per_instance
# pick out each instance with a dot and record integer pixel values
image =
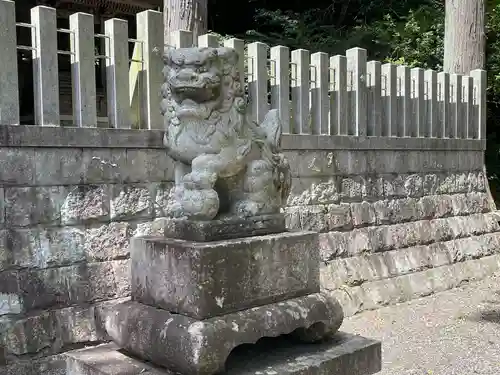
(314, 93)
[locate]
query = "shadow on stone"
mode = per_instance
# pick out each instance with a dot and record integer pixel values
(491, 316)
(286, 354)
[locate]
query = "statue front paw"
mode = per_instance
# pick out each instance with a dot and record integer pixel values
(193, 204)
(199, 180)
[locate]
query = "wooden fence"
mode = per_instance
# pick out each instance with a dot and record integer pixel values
(314, 93)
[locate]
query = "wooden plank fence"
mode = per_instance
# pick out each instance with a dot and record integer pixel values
(314, 93)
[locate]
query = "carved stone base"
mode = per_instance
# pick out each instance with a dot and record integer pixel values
(207, 279)
(224, 228)
(344, 354)
(201, 347)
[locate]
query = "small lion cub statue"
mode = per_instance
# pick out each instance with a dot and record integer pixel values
(225, 165)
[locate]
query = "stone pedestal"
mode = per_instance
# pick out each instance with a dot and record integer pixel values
(344, 354)
(194, 303)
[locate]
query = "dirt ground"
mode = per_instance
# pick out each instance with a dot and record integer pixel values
(456, 332)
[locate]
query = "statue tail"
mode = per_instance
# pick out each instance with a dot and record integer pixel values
(272, 128)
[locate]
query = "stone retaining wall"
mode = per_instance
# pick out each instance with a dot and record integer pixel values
(395, 223)
(398, 218)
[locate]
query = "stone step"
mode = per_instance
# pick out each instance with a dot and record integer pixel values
(344, 354)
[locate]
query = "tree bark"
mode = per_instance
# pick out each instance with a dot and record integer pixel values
(191, 15)
(464, 36)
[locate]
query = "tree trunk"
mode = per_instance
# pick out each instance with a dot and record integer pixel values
(464, 36)
(191, 15)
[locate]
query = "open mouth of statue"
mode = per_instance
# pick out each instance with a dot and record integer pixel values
(191, 96)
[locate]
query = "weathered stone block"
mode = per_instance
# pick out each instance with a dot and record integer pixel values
(447, 184)
(354, 271)
(54, 331)
(85, 203)
(104, 165)
(40, 248)
(482, 181)
(75, 325)
(311, 190)
(31, 334)
(33, 205)
(149, 166)
(24, 247)
(462, 182)
(108, 241)
(17, 166)
(6, 257)
(190, 346)
(470, 160)
(387, 161)
(61, 246)
(151, 228)
(359, 241)
(179, 275)
(404, 210)
(344, 354)
(347, 162)
(383, 212)
(353, 188)
(161, 192)
(52, 365)
(403, 288)
(54, 287)
(2, 207)
(338, 216)
(374, 187)
(363, 214)
(333, 244)
(310, 163)
(131, 201)
(55, 166)
(307, 218)
(108, 280)
(403, 185)
(10, 299)
(72, 285)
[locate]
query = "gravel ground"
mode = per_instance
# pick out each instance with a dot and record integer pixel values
(450, 333)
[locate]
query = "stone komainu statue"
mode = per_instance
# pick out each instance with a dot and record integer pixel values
(225, 163)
